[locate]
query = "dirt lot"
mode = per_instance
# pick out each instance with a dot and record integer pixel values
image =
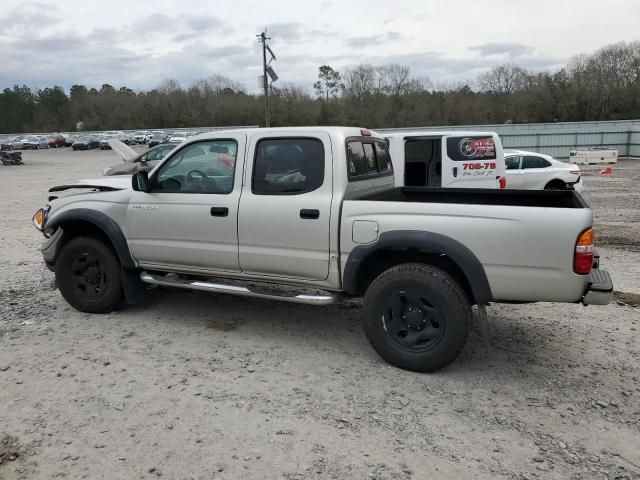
(194, 385)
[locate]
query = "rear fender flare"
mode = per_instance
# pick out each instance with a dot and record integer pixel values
(425, 242)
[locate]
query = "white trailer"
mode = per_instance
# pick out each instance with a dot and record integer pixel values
(589, 156)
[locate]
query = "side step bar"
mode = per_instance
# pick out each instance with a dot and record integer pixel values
(248, 291)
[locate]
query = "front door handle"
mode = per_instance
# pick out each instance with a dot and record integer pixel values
(219, 211)
(310, 213)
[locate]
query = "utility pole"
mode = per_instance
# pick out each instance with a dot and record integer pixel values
(266, 70)
(265, 82)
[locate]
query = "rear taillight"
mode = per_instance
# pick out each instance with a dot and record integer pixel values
(503, 183)
(583, 256)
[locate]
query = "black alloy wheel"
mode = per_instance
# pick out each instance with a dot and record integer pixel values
(89, 276)
(416, 317)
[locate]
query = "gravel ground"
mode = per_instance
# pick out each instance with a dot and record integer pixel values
(191, 385)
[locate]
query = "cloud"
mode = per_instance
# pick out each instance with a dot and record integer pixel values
(285, 30)
(29, 15)
(497, 48)
(106, 55)
(367, 41)
(187, 26)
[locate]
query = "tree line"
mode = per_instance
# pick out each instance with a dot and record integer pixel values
(604, 85)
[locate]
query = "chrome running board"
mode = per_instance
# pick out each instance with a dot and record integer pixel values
(248, 291)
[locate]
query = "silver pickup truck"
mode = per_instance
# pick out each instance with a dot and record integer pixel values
(311, 215)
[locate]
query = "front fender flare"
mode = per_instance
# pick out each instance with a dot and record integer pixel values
(101, 221)
(425, 242)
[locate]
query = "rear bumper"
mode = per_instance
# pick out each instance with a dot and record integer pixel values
(599, 288)
(578, 186)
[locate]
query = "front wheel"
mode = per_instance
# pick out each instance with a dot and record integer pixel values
(416, 317)
(88, 275)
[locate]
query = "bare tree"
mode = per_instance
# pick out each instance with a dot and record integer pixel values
(504, 79)
(359, 81)
(394, 79)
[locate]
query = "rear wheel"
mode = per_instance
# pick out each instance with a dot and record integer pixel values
(88, 275)
(416, 317)
(555, 185)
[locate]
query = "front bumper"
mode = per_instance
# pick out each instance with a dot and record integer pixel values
(50, 248)
(599, 288)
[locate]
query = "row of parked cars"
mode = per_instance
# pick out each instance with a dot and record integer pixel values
(80, 141)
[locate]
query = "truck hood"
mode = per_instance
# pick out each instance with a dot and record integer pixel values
(101, 184)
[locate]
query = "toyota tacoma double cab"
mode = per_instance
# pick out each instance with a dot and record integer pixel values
(311, 215)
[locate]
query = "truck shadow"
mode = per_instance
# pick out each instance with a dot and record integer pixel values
(517, 347)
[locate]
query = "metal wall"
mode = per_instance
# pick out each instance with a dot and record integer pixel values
(557, 139)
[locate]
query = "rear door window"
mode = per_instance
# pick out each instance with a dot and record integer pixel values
(534, 162)
(288, 166)
(512, 163)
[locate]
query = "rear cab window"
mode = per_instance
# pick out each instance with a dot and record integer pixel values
(367, 158)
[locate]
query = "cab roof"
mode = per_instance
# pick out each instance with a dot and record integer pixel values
(339, 131)
(438, 133)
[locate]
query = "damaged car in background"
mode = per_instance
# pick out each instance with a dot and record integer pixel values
(133, 161)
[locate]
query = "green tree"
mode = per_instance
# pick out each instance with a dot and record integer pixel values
(328, 83)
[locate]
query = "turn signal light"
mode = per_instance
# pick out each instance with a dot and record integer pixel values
(38, 219)
(583, 256)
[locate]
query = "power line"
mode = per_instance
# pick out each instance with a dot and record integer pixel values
(267, 72)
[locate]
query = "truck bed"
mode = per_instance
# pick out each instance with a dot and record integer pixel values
(480, 196)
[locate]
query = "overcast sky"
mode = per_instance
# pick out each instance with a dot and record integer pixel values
(139, 43)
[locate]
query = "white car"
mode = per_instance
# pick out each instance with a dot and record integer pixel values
(536, 171)
(140, 137)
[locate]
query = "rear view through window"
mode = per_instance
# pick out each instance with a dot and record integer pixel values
(368, 158)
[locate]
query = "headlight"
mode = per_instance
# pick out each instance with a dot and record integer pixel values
(40, 217)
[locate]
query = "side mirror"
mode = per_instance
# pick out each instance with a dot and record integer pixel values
(140, 181)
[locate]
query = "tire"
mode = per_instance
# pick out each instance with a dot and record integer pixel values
(88, 275)
(416, 317)
(555, 185)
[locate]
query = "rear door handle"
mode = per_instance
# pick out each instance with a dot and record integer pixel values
(219, 211)
(455, 172)
(310, 213)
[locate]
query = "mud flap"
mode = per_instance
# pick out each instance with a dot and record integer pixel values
(133, 288)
